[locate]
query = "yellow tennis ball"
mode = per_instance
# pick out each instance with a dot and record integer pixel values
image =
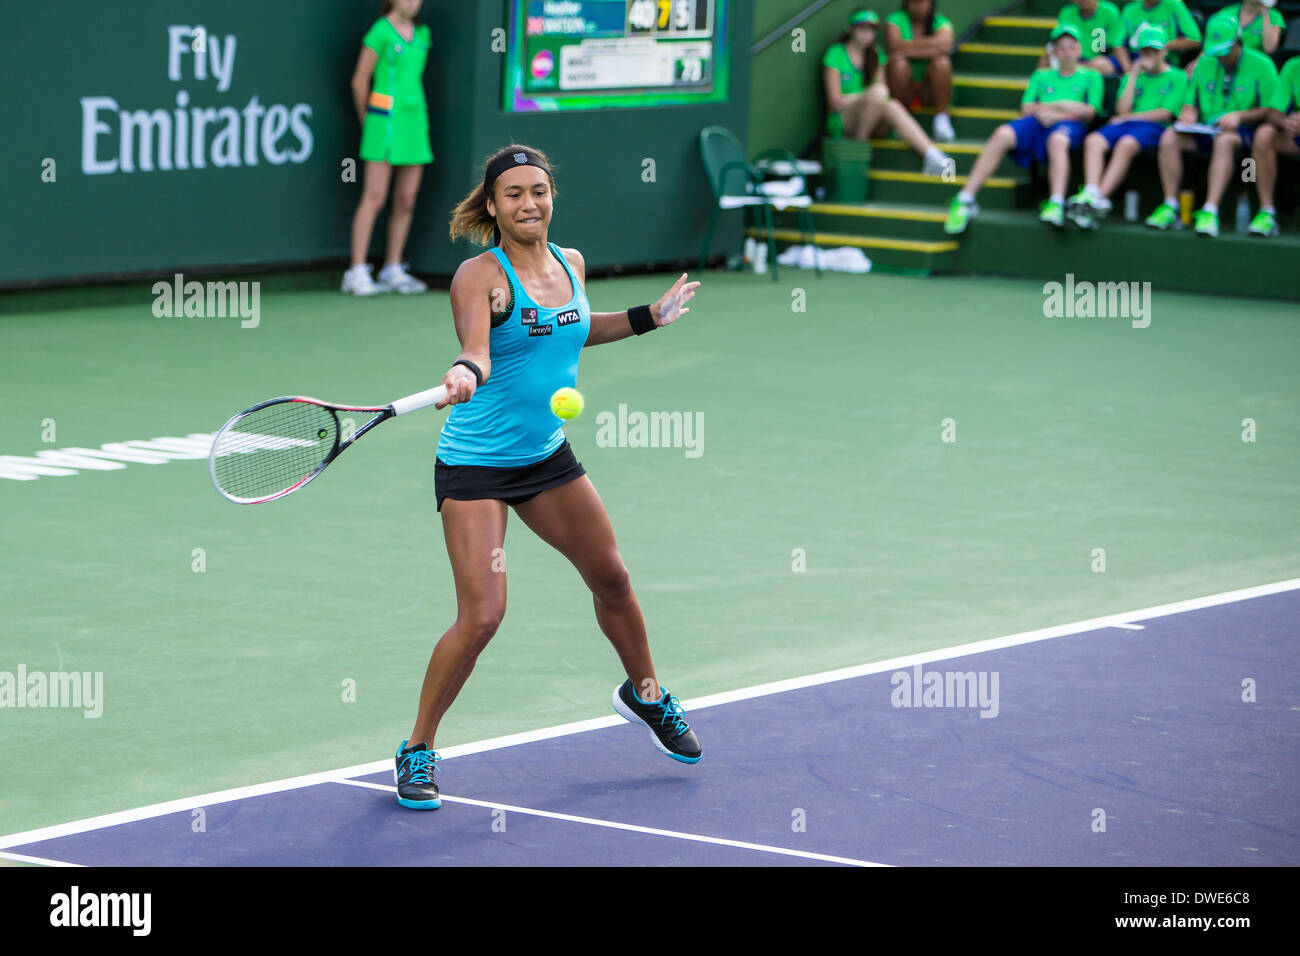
(567, 403)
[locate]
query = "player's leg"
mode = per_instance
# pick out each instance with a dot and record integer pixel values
(572, 519)
(862, 116)
(475, 533)
(406, 187)
(1120, 160)
(1269, 143)
(1169, 157)
(1089, 204)
(936, 91)
(963, 206)
(1058, 174)
(1223, 161)
(898, 75)
(374, 190)
(896, 117)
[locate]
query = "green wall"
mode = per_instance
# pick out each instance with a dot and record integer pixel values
(67, 222)
(787, 105)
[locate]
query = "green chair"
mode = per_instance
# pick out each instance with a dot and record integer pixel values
(738, 184)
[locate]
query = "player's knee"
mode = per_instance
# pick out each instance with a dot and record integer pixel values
(940, 65)
(404, 203)
(479, 622)
(878, 94)
(1264, 137)
(611, 584)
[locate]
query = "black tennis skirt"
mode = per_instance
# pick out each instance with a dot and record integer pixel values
(514, 486)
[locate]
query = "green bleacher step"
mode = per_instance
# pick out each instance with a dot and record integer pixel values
(899, 186)
(885, 220)
(895, 154)
(1019, 30)
(886, 254)
(969, 122)
(989, 90)
(1005, 58)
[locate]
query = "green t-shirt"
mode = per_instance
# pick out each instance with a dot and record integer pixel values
(1286, 92)
(1157, 91)
(1170, 15)
(851, 78)
(1103, 31)
(1252, 34)
(1049, 86)
(1214, 92)
(900, 19)
(400, 70)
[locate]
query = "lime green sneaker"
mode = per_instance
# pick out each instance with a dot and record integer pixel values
(1052, 213)
(1207, 223)
(1164, 218)
(959, 216)
(1264, 224)
(1080, 212)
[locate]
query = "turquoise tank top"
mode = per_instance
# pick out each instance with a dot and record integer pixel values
(534, 350)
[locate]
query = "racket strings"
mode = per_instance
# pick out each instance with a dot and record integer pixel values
(271, 449)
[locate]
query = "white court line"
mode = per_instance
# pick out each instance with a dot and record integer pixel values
(20, 858)
(1131, 627)
(694, 704)
(653, 831)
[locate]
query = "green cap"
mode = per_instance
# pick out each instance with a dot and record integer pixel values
(1149, 36)
(1065, 30)
(1220, 34)
(864, 16)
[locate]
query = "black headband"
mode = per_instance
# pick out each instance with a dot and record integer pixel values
(510, 161)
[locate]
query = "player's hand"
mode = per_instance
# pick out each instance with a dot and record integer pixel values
(673, 303)
(1293, 123)
(461, 385)
(1228, 122)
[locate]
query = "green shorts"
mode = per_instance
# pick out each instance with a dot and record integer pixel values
(399, 138)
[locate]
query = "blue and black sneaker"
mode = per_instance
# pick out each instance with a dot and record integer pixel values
(414, 777)
(664, 719)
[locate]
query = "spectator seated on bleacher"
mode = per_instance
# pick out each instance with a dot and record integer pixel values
(1182, 35)
(1056, 108)
(1279, 134)
(858, 102)
(1261, 25)
(1150, 96)
(1227, 96)
(919, 40)
(1101, 30)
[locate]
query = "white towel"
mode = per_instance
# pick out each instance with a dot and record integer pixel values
(843, 259)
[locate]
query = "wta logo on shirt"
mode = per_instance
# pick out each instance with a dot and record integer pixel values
(567, 318)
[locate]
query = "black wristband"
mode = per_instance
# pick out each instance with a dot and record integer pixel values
(640, 319)
(478, 372)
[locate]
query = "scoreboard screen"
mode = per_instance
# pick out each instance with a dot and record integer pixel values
(596, 54)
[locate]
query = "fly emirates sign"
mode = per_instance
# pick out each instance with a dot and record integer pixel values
(192, 135)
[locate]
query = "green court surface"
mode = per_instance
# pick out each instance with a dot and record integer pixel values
(824, 523)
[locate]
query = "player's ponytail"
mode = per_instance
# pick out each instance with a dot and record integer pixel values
(471, 218)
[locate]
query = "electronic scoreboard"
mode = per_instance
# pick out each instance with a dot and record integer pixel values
(595, 54)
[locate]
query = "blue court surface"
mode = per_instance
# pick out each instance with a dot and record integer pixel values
(1164, 737)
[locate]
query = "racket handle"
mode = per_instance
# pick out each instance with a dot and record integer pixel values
(419, 400)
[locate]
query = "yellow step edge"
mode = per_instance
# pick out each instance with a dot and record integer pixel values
(901, 176)
(863, 242)
(990, 83)
(972, 112)
(847, 209)
(1044, 23)
(1006, 48)
(972, 149)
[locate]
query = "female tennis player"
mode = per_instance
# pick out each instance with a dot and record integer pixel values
(388, 90)
(522, 317)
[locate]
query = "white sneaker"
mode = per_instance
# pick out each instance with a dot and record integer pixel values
(357, 281)
(943, 130)
(395, 278)
(937, 163)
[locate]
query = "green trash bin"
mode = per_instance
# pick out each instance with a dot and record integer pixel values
(845, 163)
